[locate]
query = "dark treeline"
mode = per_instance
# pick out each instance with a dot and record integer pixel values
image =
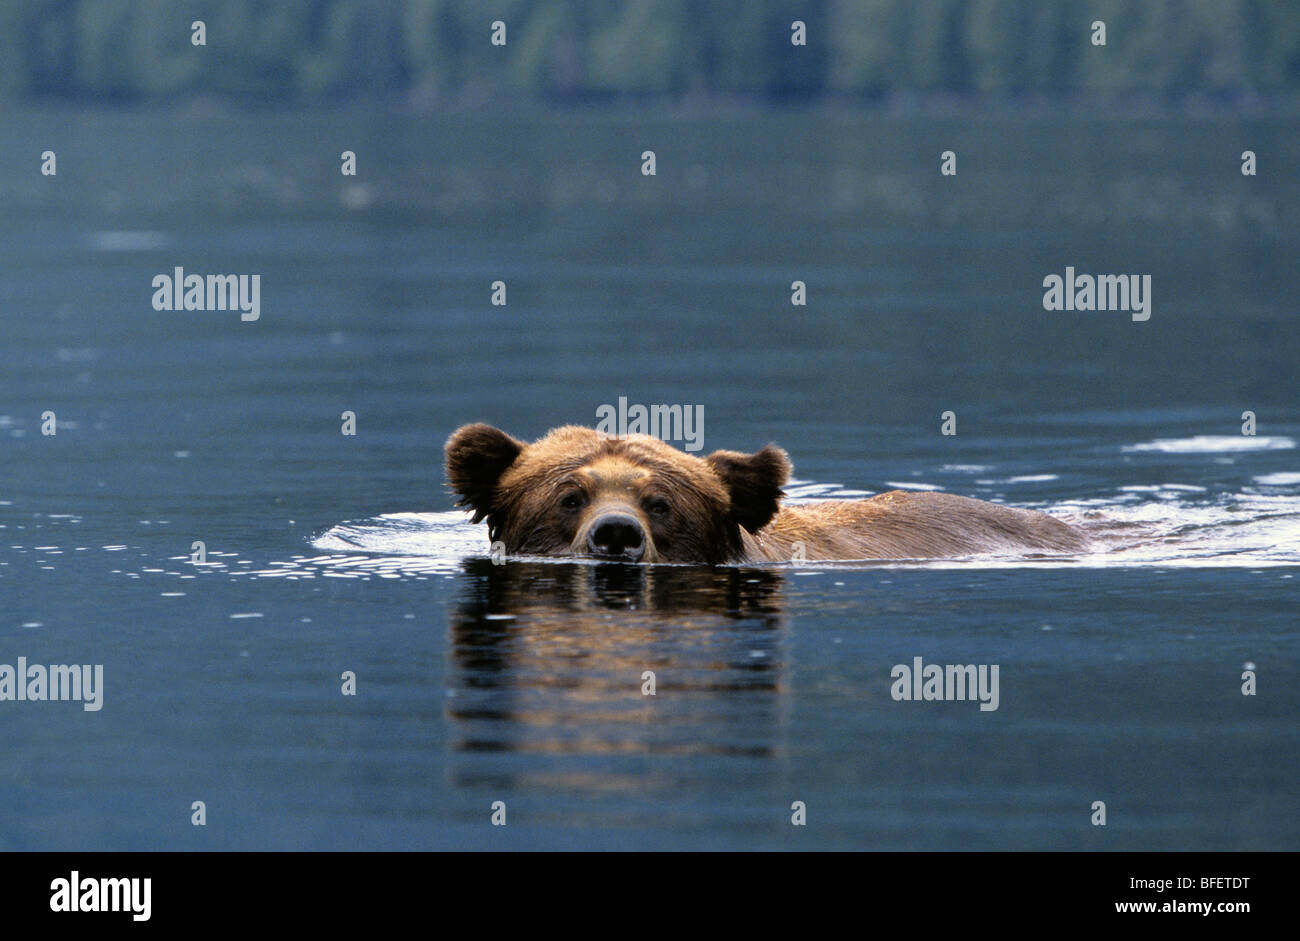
(440, 50)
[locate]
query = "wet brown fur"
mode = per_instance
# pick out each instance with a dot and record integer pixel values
(540, 498)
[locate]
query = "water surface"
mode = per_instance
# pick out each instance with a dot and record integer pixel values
(1120, 670)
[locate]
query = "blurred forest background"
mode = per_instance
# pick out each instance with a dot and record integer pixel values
(437, 52)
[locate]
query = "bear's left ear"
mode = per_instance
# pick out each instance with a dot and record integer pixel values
(477, 456)
(754, 482)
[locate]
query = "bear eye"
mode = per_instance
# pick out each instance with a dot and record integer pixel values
(573, 500)
(657, 507)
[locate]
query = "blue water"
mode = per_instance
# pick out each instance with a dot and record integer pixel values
(522, 683)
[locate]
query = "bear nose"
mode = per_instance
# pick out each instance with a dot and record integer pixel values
(617, 535)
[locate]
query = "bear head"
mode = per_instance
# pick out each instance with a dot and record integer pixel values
(579, 492)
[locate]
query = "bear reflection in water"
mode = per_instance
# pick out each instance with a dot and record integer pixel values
(554, 659)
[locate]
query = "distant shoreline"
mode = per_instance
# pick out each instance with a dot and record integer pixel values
(1026, 107)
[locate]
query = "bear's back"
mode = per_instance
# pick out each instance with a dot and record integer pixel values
(909, 525)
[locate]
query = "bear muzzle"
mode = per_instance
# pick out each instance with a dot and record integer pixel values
(617, 535)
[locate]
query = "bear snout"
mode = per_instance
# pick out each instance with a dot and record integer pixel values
(617, 535)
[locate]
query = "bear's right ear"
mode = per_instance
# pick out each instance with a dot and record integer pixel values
(477, 456)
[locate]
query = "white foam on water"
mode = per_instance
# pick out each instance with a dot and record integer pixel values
(400, 544)
(416, 534)
(1213, 444)
(1281, 479)
(1164, 491)
(804, 491)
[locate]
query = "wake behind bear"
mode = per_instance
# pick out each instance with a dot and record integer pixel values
(580, 493)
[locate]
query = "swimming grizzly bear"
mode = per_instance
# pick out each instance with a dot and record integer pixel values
(578, 492)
